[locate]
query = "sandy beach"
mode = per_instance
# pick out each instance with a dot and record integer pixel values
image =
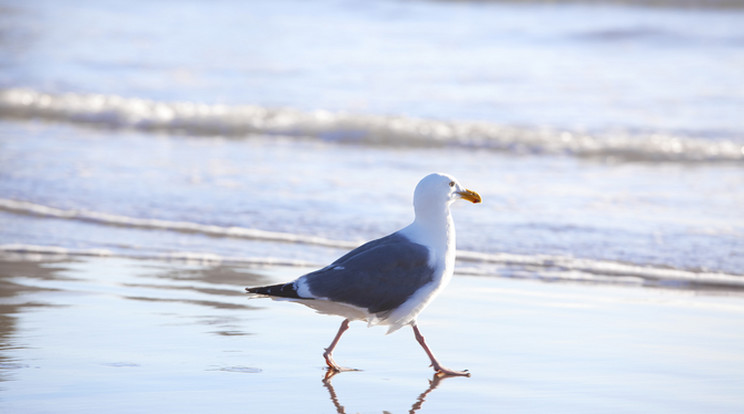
(121, 335)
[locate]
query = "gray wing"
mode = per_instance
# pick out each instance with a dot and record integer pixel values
(379, 275)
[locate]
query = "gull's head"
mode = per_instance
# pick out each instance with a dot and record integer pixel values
(441, 190)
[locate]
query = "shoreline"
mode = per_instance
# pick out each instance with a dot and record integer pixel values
(543, 268)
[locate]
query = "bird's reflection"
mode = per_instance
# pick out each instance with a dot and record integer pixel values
(433, 384)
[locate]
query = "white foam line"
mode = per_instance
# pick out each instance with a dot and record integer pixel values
(601, 268)
(563, 268)
(25, 207)
(38, 253)
(605, 268)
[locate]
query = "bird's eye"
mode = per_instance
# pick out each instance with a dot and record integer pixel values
(452, 183)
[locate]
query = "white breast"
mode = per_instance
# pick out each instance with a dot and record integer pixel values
(441, 245)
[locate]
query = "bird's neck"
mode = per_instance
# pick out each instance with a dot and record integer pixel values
(436, 229)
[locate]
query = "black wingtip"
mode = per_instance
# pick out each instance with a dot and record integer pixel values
(282, 290)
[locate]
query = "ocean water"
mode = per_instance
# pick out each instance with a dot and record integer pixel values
(606, 138)
(158, 157)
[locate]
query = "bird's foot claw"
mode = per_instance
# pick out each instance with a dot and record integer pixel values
(446, 372)
(334, 368)
(337, 369)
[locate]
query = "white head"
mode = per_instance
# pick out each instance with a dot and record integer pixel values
(435, 193)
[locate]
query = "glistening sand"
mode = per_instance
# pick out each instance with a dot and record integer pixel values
(121, 335)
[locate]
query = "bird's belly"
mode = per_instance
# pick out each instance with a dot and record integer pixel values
(327, 307)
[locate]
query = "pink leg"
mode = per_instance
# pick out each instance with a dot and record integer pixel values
(328, 354)
(434, 363)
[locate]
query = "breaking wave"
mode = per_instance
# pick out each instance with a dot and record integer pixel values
(111, 111)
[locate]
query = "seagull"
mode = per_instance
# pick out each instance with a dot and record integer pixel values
(390, 280)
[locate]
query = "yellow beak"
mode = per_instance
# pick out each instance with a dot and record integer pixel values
(470, 195)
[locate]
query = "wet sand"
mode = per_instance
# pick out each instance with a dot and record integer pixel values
(118, 335)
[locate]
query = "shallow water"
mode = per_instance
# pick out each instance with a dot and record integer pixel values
(126, 335)
(137, 195)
